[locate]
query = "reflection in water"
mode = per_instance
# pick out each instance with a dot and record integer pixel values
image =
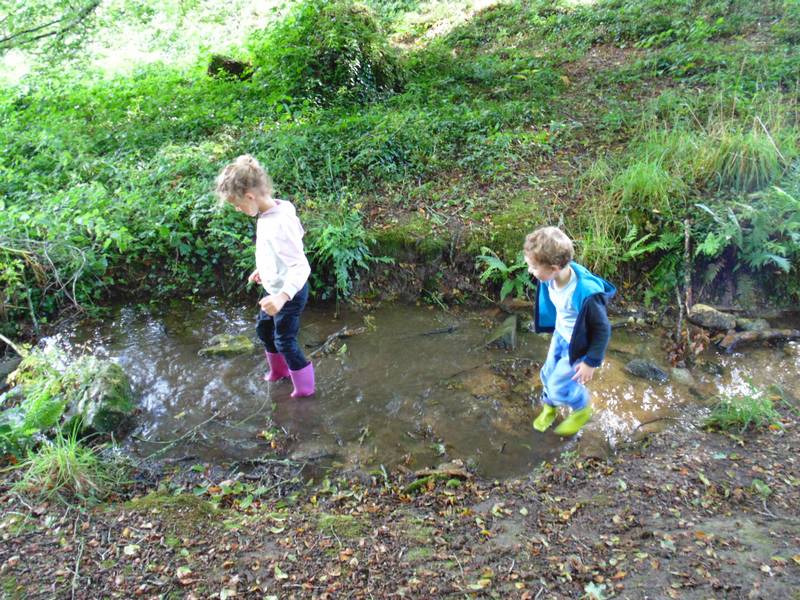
(391, 396)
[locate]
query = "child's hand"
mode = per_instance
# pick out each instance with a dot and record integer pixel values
(254, 277)
(583, 373)
(273, 303)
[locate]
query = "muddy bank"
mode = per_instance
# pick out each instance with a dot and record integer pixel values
(675, 515)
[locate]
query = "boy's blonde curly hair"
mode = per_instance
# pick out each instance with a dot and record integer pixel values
(549, 246)
(244, 174)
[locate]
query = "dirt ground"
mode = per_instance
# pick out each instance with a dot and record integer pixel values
(684, 513)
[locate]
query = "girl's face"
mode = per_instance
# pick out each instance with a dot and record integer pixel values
(246, 204)
(541, 272)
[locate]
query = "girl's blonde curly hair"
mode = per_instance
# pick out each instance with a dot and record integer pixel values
(245, 174)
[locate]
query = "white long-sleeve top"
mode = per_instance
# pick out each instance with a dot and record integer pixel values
(280, 260)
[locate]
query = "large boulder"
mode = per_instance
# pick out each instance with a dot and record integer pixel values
(711, 318)
(106, 403)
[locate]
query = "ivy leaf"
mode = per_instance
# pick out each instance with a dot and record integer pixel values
(594, 591)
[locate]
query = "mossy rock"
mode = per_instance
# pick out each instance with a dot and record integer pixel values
(759, 324)
(711, 318)
(345, 526)
(106, 404)
(226, 344)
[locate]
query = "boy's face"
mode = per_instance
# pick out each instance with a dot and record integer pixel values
(540, 271)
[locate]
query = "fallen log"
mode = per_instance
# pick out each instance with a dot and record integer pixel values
(734, 338)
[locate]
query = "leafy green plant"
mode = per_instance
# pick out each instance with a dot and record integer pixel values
(788, 28)
(739, 413)
(764, 232)
(340, 245)
(513, 278)
(43, 394)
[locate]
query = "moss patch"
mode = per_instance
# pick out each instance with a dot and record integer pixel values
(344, 526)
(11, 590)
(507, 227)
(184, 503)
(419, 554)
(415, 237)
(228, 345)
(416, 530)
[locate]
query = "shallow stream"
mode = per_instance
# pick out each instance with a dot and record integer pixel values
(418, 388)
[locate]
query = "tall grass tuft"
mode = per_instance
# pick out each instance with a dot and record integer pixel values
(740, 413)
(645, 186)
(64, 468)
(740, 160)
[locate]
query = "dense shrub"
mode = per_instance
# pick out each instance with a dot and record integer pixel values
(325, 50)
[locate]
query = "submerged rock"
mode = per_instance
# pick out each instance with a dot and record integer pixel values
(593, 442)
(505, 336)
(683, 376)
(313, 451)
(107, 403)
(711, 318)
(752, 324)
(646, 369)
(226, 344)
(7, 366)
(711, 367)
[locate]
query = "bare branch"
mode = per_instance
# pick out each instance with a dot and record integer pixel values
(69, 23)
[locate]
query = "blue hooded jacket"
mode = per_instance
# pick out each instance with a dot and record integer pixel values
(592, 330)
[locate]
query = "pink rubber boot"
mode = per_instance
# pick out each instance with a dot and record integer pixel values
(303, 381)
(278, 369)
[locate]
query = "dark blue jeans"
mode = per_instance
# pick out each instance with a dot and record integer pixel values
(279, 333)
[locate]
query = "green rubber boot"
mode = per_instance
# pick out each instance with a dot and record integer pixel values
(545, 418)
(573, 423)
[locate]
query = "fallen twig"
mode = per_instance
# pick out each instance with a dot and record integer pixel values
(172, 443)
(13, 346)
(344, 332)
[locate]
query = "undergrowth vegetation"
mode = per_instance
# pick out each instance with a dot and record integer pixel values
(740, 413)
(105, 181)
(65, 469)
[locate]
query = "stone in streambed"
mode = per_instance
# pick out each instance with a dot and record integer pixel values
(106, 404)
(593, 442)
(646, 369)
(711, 318)
(226, 344)
(682, 376)
(752, 324)
(504, 336)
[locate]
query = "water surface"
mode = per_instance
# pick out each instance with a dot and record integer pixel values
(418, 388)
